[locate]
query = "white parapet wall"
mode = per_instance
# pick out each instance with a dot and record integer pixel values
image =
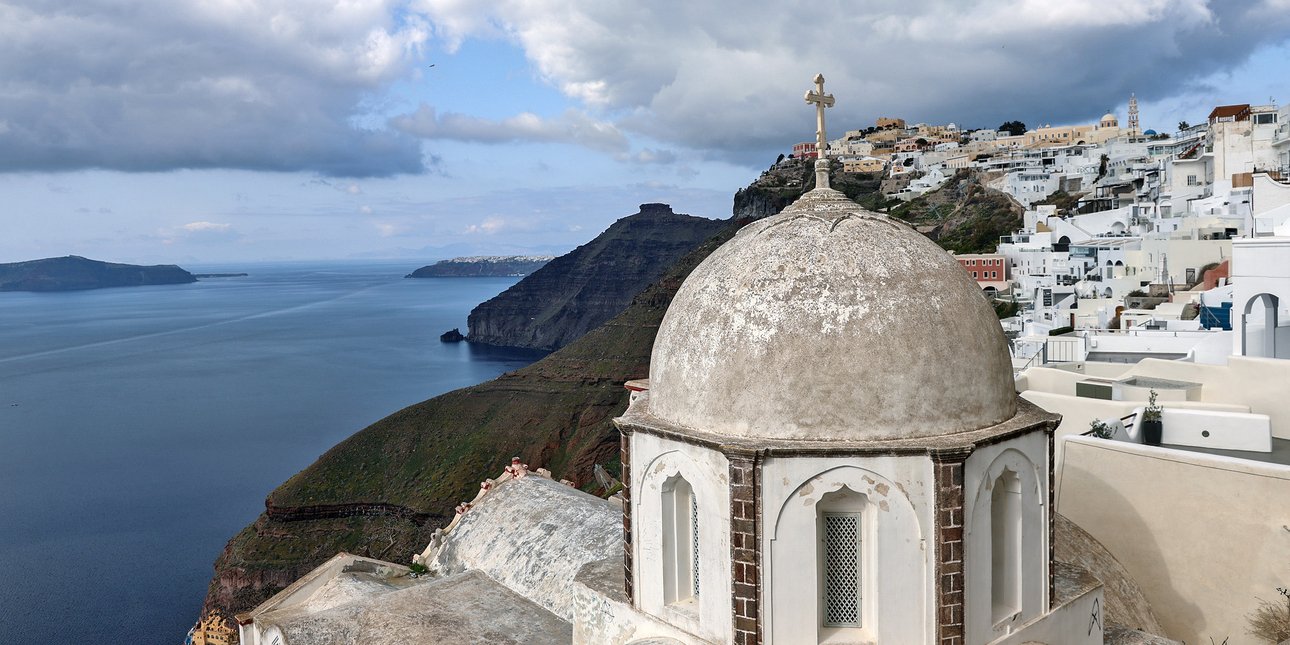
(1252, 385)
(1216, 429)
(1204, 536)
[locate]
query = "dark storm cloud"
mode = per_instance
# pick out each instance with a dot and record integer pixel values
(723, 76)
(138, 86)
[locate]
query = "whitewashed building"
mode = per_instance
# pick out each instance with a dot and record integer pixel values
(876, 494)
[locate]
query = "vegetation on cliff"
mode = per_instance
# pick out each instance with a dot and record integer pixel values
(963, 215)
(381, 492)
(556, 413)
(578, 291)
(786, 180)
(73, 273)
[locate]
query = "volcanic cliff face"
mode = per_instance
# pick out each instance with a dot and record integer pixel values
(582, 289)
(381, 492)
(72, 273)
(785, 181)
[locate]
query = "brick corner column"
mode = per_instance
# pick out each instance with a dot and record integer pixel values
(745, 547)
(1052, 518)
(625, 456)
(948, 533)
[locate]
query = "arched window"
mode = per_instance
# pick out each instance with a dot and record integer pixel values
(841, 530)
(680, 542)
(1005, 546)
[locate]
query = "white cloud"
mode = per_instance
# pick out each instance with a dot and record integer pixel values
(572, 126)
(140, 86)
(489, 226)
(391, 229)
(201, 232)
(648, 156)
(724, 75)
(206, 227)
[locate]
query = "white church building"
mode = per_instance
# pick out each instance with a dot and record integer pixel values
(829, 449)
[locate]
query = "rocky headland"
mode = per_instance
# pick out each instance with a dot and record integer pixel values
(382, 492)
(75, 273)
(489, 266)
(964, 215)
(584, 288)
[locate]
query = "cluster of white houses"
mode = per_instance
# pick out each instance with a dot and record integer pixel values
(821, 459)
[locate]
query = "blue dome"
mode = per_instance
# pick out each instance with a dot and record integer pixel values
(1149, 132)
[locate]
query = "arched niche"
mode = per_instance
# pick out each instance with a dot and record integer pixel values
(893, 561)
(1006, 575)
(1259, 326)
(661, 516)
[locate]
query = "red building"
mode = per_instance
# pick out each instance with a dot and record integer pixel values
(990, 270)
(805, 150)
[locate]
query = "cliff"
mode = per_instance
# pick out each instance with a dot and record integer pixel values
(584, 288)
(73, 273)
(381, 492)
(785, 181)
(963, 215)
(483, 267)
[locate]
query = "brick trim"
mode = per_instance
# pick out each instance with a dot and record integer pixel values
(745, 548)
(1052, 523)
(948, 532)
(625, 456)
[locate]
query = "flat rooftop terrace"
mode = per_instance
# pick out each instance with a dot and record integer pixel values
(1280, 452)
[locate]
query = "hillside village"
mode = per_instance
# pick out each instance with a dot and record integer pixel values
(1121, 225)
(1106, 459)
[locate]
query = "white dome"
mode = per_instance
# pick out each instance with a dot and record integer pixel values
(830, 322)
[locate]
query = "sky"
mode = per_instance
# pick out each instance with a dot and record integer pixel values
(225, 131)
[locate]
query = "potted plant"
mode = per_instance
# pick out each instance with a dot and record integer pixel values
(1151, 424)
(1100, 429)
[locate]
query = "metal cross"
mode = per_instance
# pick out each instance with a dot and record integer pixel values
(821, 101)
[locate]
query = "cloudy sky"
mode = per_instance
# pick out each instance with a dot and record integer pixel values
(199, 131)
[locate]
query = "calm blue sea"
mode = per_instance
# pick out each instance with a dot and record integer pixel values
(141, 427)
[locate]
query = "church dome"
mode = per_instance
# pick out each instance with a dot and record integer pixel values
(830, 322)
(1109, 120)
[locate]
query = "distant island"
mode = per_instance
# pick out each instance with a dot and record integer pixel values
(220, 275)
(485, 266)
(75, 273)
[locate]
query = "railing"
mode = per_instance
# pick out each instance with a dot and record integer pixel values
(1126, 419)
(1041, 356)
(1177, 333)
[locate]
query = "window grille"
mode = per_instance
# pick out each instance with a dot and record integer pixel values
(842, 569)
(694, 544)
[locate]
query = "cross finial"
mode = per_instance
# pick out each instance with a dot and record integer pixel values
(821, 101)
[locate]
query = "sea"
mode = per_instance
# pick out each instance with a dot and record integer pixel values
(142, 427)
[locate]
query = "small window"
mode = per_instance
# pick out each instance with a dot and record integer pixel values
(1005, 546)
(842, 569)
(1191, 180)
(680, 542)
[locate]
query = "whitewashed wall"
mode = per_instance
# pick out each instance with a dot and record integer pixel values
(1027, 456)
(898, 554)
(654, 461)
